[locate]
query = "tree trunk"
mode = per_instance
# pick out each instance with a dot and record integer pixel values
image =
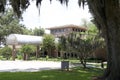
(113, 40)
(107, 18)
(102, 64)
(37, 51)
(113, 44)
(82, 60)
(24, 56)
(13, 52)
(113, 65)
(84, 63)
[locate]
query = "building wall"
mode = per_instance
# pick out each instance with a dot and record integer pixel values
(64, 31)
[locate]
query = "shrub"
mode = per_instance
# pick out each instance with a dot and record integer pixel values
(6, 52)
(26, 50)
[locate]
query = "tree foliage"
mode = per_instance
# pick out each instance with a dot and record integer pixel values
(26, 50)
(83, 43)
(106, 15)
(48, 44)
(62, 43)
(39, 31)
(20, 6)
(6, 52)
(9, 23)
(27, 31)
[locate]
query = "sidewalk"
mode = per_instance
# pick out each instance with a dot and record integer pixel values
(28, 66)
(32, 66)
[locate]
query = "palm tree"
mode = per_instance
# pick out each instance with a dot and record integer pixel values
(106, 15)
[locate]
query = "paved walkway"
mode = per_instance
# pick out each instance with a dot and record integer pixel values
(31, 66)
(28, 66)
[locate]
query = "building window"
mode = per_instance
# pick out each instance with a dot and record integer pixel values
(62, 30)
(59, 30)
(73, 29)
(65, 29)
(56, 31)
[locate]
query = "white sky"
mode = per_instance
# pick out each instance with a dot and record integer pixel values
(54, 14)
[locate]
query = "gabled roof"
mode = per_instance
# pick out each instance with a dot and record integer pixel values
(67, 26)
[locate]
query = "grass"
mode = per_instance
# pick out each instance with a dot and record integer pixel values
(72, 60)
(74, 74)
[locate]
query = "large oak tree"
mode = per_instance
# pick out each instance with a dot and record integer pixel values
(9, 24)
(106, 15)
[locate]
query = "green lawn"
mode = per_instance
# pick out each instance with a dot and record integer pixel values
(73, 74)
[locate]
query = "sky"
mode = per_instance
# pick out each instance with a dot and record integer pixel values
(54, 14)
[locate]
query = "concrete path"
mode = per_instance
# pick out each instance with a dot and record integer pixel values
(28, 66)
(32, 66)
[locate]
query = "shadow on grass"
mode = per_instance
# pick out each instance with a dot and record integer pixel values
(73, 74)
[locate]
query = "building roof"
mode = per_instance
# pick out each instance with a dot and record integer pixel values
(67, 26)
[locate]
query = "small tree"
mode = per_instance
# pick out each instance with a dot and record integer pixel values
(83, 43)
(81, 46)
(85, 49)
(48, 44)
(26, 50)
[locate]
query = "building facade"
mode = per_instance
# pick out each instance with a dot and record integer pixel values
(65, 30)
